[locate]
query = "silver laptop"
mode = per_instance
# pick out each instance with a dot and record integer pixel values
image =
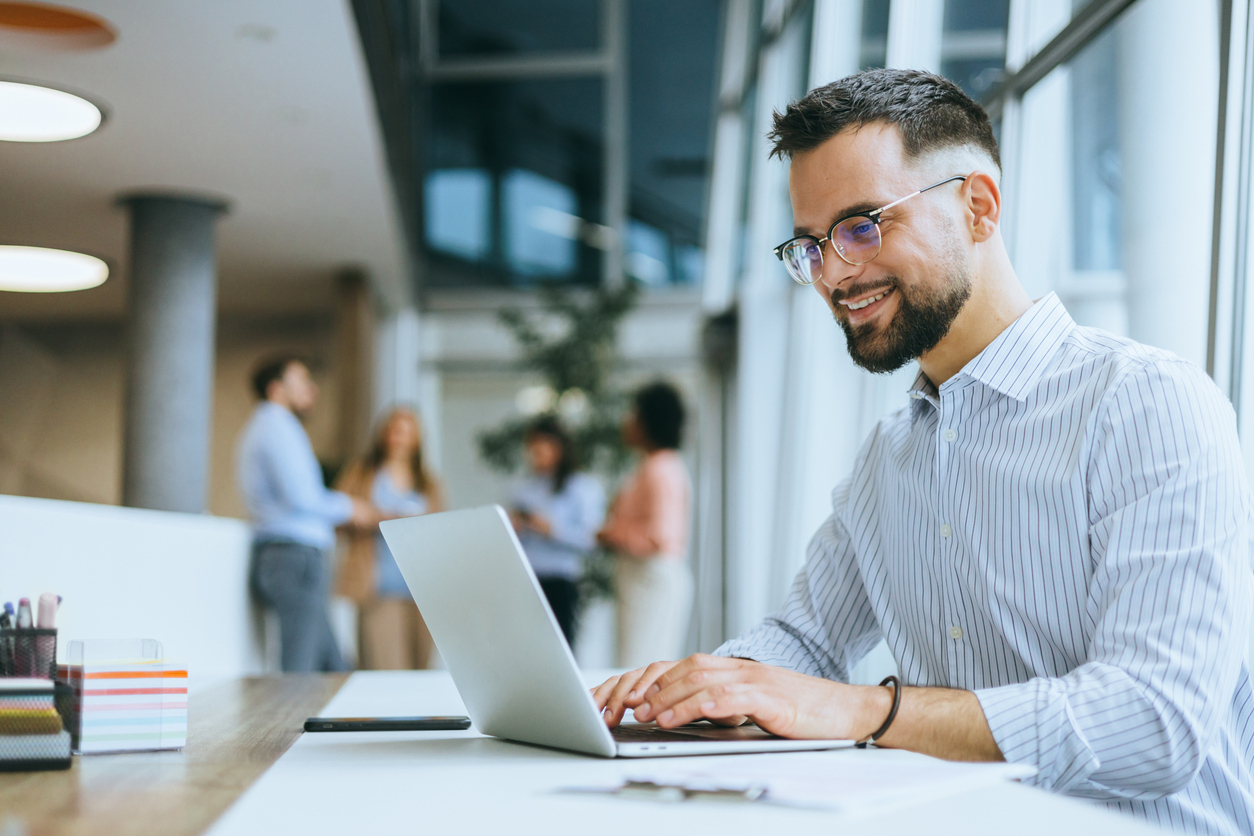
(505, 651)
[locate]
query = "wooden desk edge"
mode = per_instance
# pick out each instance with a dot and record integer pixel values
(236, 731)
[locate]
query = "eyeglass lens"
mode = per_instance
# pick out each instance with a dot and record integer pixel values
(856, 240)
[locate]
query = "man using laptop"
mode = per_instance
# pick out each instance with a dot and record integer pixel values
(1053, 536)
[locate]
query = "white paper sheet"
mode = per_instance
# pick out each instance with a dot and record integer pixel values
(845, 780)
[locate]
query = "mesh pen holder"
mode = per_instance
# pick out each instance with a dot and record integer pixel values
(32, 705)
(29, 652)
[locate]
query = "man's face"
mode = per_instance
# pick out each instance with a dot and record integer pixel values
(921, 270)
(300, 389)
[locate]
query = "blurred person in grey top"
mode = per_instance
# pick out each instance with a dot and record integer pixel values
(294, 515)
(556, 511)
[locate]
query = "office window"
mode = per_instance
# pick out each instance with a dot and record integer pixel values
(542, 225)
(1113, 191)
(494, 27)
(973, 43)
(670, 131)
(554, 195)
(533, 206)
(648, 254)
(457, 211)
(873, 52)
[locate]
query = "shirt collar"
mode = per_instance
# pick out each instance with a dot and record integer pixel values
(1014, 362)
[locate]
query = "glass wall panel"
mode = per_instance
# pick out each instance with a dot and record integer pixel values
(973, 43)
(495, 27)
(669, 143)
(874, 48)
(1113, 195)
(459, 212)
(514, 179)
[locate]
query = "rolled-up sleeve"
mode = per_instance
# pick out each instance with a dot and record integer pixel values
(827, 624)
(1169, 600)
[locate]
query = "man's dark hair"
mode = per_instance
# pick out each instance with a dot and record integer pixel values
(931, 112)
(660, 411)
(270, 370)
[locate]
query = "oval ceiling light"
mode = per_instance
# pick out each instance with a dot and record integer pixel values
(31, 113)
(41, 270)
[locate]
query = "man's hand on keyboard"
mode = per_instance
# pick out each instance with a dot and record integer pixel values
(619, 693)
(730, 691)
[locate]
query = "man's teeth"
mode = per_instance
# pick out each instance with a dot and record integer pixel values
(857, 306)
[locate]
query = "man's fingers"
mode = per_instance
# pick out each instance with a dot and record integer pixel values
(697, 679)
(695, 662)
(718, 702)
(601, 693)
(613, 708)
(630, 690)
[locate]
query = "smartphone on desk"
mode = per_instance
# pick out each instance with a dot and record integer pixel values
(321, 724)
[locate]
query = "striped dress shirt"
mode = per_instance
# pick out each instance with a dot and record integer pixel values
(1062, 528)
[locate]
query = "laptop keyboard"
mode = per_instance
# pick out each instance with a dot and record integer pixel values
(650, 734)
(635, 733)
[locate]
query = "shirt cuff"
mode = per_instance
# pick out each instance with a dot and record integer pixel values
(764, 644)
(1032, 724)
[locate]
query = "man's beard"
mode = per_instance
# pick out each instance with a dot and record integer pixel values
(923, 318)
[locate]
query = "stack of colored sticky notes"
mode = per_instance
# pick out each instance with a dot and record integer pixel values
(128, 705)
(31, 733)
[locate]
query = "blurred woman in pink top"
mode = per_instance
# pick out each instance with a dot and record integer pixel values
(648, 530)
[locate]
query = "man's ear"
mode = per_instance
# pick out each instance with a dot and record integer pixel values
(983, 205)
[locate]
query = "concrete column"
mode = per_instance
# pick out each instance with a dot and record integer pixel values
(173, 305)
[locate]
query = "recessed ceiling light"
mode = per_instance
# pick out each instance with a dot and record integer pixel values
(40, 270)
(31, 113)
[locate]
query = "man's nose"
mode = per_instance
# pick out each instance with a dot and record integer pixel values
(836, 271)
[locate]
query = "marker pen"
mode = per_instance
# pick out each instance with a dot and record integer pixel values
(6, 645)
(48, 611)
(24, 646)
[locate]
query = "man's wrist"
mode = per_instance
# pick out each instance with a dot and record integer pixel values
(874, 704)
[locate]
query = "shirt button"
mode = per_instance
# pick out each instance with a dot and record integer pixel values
(955, 632)
(946, 530)
(950, 435)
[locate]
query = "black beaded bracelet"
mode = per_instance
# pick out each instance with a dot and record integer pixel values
(892, 714)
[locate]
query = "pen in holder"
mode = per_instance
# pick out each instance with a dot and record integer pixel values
(30, 651)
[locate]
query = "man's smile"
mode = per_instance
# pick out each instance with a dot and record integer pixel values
(862, 308)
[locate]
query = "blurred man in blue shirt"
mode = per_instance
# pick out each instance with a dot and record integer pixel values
(294, 515)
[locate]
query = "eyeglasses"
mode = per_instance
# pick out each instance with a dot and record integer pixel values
(855, 238)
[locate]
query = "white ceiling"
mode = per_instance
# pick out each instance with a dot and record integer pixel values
(266, 103)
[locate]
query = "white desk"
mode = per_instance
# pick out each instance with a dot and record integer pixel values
(463, 782)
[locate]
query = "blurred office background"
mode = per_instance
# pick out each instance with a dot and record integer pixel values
(383, 176)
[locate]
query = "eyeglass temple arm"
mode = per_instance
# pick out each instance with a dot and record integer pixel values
(899, 201)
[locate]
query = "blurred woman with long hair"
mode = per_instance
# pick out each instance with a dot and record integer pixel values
(394, 477)
(556, 510)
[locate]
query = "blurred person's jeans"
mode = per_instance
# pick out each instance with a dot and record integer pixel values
(293, 580)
